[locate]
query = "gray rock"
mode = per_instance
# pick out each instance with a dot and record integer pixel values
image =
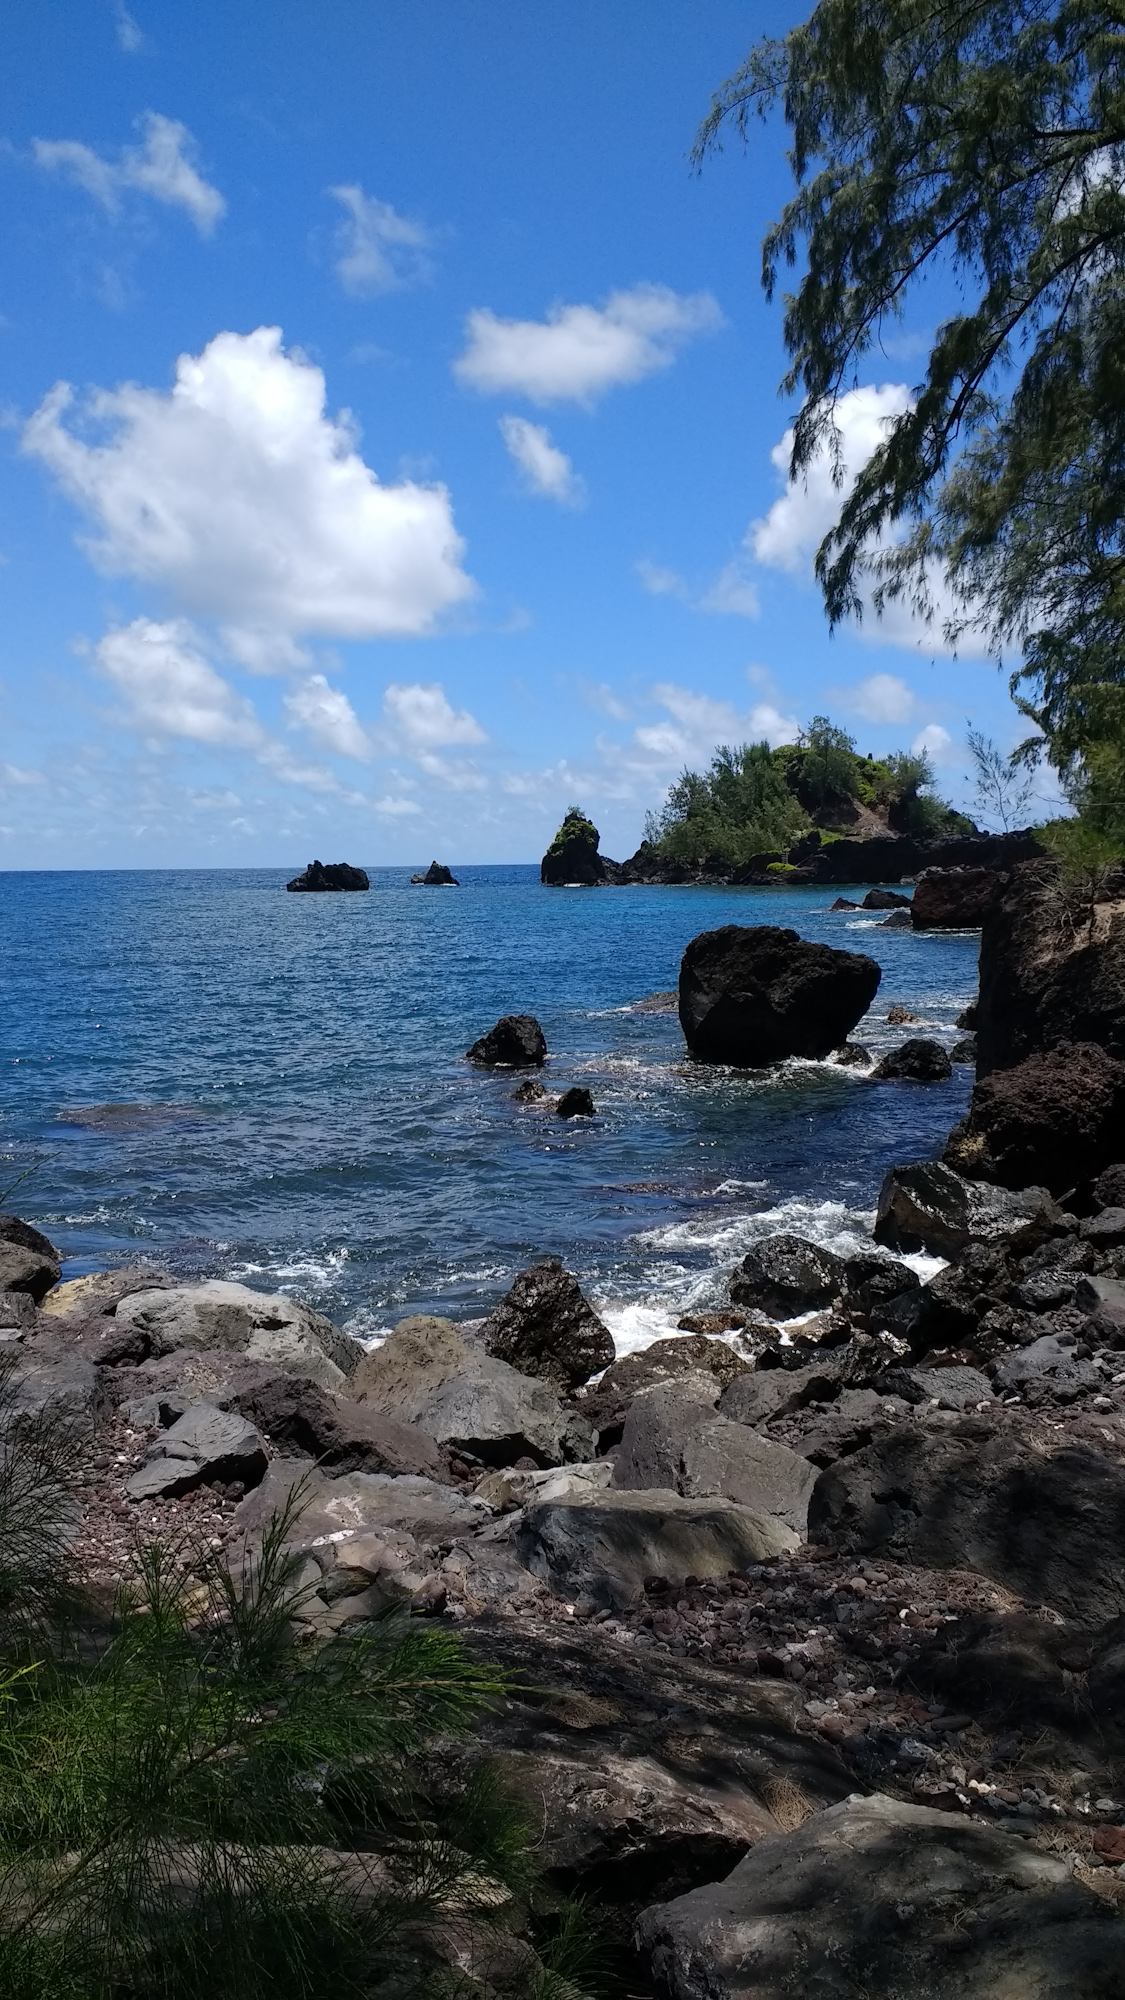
(951, 1388)
(674, 1440)
(427, 1373)
(606, 1406)
(1106, 1230)
(25, 1270)
(545, 1326)
(100, 1292)
(1104, 1297)
(338, 1432)
(822, 1434)
(260, 1326)
(206, 1446)
(777, 1392)
(875, 1899)
(67, 1383)
(337, 1510)
(969, 1493)
(786, 1275)
(926, 1206)
(1048, 1371)
(603, 1550)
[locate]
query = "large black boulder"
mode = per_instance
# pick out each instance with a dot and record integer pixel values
(786, 1275)
(919, 1060)
(516, 1042)
(330, 875)
(545, 1326)
(752, 995)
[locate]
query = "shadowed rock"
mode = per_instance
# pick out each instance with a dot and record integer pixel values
(1055, 1119)
(546, 1326)
(603, 1550)
(919, 1060)
(516, 1042)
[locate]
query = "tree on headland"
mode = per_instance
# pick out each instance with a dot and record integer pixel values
(985, 142)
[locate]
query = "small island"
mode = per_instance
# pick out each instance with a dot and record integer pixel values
(437, 876)
(320, 875)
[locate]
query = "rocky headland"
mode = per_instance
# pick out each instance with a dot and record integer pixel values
(815, 1610)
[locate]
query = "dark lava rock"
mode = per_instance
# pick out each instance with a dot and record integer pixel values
(607, 1405)
(876, 1899)
(954, 899)
(899, 920)
(752, 995)
(843, 903)
(573, 855)
(970, 1494)
(545, 1326)
(437, 876)
(1047, 975)
(852, 1055)
(964, 1051)
(786, 1275)
(299, 1418)
(885, 899)
(919, 1060)
(675, 1440)
(657, 1003)
(926, 1206)
(577, 1102)
(24, 1270)
(967, 1018)
(1049, 1371)
(516, 1042)
(530, 1092)
(1109, 1188)
(1017, 1667)
(13, 1229)
(206, 1446)
(1054, 1119)
(869, 1280)
(331, 875)
(607, 1548)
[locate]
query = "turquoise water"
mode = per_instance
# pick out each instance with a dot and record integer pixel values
(310, 1123)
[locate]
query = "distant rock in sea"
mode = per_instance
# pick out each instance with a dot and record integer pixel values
(437, 876)
(330, 875)
(516, 1042)
(572, 860)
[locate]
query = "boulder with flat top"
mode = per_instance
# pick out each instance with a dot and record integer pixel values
(752, 995)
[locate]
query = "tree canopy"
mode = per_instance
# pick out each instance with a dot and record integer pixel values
(984, 141)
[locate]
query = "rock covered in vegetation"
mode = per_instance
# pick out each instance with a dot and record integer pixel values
(752, 995)
(954, 899)
(920, 1060)
(1052, 968)
(516, 1042)
(546, 1326)
(880, 1896)
(330, 875)
(573, 858)
(1056, 1119)
(428, 1373)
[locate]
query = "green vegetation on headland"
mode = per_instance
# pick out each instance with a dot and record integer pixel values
(757, 802)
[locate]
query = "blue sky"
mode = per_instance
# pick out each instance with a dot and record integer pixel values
(392, 453)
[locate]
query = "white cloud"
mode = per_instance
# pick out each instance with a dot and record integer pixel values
(579, 352)
(697, 724)
(792, 531)
(395, 808)
(380, 250)
(328, 717)
(172, 690)
(933, 741)
(731, 594)
(237, 495)
(18, 774)
(660, 582)
(129, 36)
(881, 698)
(422, 719)
(161, 168)
(545, 468)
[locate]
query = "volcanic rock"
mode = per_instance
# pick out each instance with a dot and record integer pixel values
(899, 920)
(23, 1270)
(964, 1051)
(577, 1102)
(674, 1439)
(885, 899)
(1052, 969)
(259, 1326)
(516, 1042)
(918, 1061)
(607, 1405)
(785, 1276)
(99, 1293)
(1053, 1120)
(437, 876)
(427, 1373)
(603, 1550)
(954, 899)
(871, 1280)
(573, 857)
(299, 1418)
(926, 1206)
(206, 1445)
(330, 875)
(752, 995)
(876, 1897)
(545, 1326)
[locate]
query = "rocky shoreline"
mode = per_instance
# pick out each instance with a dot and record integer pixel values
(816, 1609)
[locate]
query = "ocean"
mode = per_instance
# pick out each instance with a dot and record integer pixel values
(200, 1070)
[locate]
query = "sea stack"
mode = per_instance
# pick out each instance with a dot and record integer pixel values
(320, 875)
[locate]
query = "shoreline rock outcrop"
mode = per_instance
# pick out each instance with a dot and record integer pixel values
(752, 995)
(320, 875)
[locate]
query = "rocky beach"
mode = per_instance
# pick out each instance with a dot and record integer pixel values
(814, 1604)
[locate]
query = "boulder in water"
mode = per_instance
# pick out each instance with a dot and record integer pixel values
(516, 1042)
(785, 1275)
(330, 875)
(918, 1061)
(577, 1102)
(573, 859)
(885, 899)
(954, 899)
(752, 995)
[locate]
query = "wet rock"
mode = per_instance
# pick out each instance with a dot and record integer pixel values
(901, 1017)
(885, 899)
(927, 1206)
(964, 1051)
(206, 1445)
(1047, 973)
(577, 1102)
(852, 1055)
(754, 995)
(545, 1326)
(607, 1405)
(1049, 1371)
(786, 1275)
(602, 1551)
(970, 1494)
(954, 899)
(870, 1280)
(919, 1060)
(531, 1091)
(875, 1897)
(673, 1439)
(516, 1042)
(1054, 1119)
(967, 1018)
(899, 920)
(259, 1326)
(657, 1003)
(427, 1373)
(321, 875)
(843, 903)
